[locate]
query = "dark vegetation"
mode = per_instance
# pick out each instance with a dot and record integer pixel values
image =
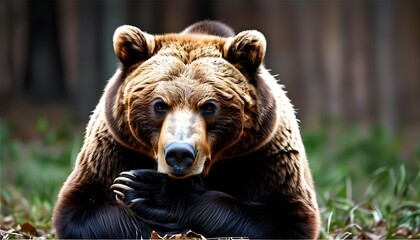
(366, 187)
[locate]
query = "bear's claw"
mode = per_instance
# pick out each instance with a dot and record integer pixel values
(119, 196)
(123, 179)
(129, 173)
(121, 186)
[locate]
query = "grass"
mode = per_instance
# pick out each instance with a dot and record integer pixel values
(366, 189)
(389, 210)
(32, 173)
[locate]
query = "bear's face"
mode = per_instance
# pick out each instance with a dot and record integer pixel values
(184, 99)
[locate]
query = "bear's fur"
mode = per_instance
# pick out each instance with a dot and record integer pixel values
(192, 132)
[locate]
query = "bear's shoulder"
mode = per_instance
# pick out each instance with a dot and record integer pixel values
(207, 27)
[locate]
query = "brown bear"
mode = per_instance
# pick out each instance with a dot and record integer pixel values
(191, 133)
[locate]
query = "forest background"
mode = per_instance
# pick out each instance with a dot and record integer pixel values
(351, 69)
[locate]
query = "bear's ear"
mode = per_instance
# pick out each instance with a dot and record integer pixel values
(132, 45)
(246, 50)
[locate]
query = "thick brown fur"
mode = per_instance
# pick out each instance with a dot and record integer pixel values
(238, 168)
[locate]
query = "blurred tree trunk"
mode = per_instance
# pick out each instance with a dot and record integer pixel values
(408, 63)
(309, 85)
(355, 93)
(383, 54)
(332, 50)
(5, 53)
(407, 68)
(204, 10)
(87, 88)
(112, 17)
(68, 20)
(234, 14)
(279, 27)
(44, 79)
(145, 15)
(13, 49)
(176, 15)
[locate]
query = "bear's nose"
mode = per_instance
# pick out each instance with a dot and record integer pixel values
(179, 156)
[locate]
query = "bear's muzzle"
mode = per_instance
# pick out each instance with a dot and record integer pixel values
(180, 156)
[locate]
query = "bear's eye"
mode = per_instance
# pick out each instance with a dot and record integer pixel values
(160, 107)
(209, 108)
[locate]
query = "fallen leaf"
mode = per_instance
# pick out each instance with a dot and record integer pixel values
(29, 229)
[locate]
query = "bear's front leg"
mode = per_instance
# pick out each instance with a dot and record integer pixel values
(171, 206)
(155, 197)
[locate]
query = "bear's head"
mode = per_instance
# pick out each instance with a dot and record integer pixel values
(190, 99)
